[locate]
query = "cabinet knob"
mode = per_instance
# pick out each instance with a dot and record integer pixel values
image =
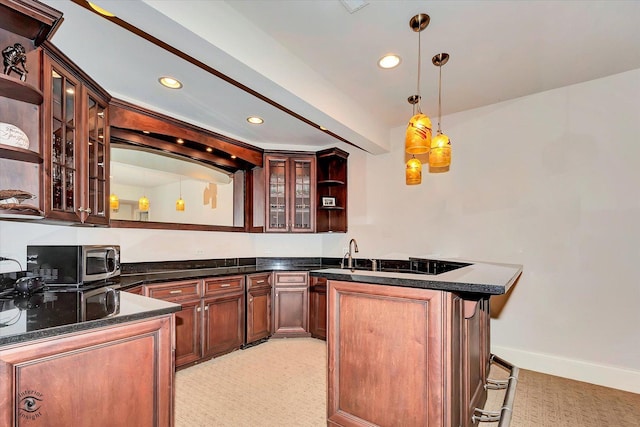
(250, 299)
(198, 309)
(206, 308)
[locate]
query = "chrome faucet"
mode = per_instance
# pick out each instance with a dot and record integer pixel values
(349, 254)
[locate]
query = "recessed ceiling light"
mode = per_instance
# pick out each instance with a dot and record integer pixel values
(390, 60)
(209, 149)
(180, 141)
(100, 10)
(255, 120)
(170, 82)
(146, 132)
(323, 128)
(233, 157)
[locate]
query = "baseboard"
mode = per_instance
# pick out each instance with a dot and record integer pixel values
(608, 376)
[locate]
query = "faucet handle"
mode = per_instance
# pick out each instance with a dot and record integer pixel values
(374, 264)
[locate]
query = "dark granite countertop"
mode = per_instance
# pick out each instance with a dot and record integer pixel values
(48, 314)
(473, 278)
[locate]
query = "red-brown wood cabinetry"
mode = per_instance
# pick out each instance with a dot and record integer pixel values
(290, 308)
(404, 356)
(112, 376)
(223, 309)
(75, 129)
(318, 307)
(259, 314)
(290, 186)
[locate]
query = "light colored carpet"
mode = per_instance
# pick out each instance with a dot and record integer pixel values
(282, 383)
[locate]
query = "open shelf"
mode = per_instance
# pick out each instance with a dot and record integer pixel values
(16, 153)
(21, 91)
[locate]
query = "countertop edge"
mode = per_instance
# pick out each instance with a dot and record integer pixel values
(159, 308)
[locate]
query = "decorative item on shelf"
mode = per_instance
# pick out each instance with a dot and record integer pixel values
(418, 135)
(15, 59)
(180, 201)
(114, 202)
(329, 201)
(13, 136)
(143, 204)
(413, 174)
(440, 153)
(12, 201)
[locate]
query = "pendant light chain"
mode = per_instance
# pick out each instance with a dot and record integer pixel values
(439, 98)
(419, 61)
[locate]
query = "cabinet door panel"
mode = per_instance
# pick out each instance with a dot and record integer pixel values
(102, 378)
(224, 324)
(258, 314)
(290, 182)
(188, 325)
(290, 312)
(374, 356)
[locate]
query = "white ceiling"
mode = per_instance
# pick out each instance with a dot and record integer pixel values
(318, 60)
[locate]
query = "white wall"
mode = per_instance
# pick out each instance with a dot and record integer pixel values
(548, 181)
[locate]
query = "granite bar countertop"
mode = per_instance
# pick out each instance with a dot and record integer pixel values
(475, 278)
(55, 315)
(134, 274)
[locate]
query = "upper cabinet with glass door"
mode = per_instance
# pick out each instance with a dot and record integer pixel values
(290, 187)
(75, 143)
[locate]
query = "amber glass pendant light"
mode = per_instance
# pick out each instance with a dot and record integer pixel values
(418, 135)
(114, 202)
(143, 204)
(180, 201)
(440, 153)
(413, 175)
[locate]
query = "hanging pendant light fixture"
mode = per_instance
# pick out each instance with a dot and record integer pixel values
(143, 204)
(413, 174)
(180, 201)
(114, 202)
(418, 135)
(440, 154)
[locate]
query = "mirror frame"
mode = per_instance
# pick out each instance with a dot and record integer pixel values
(130, 123)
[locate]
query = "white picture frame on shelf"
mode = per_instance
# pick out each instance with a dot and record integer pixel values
(328, 201)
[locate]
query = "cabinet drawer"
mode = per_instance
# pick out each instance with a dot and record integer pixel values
(259, 281)
(224, 284)
(290, 279)
(174, 291)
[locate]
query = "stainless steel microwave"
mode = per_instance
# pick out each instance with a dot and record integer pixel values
(75, 264)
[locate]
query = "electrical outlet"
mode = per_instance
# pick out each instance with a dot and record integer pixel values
(199, 251)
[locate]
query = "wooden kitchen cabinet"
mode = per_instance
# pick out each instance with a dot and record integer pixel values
(291, 304)
(112, 376)
(331, 213)
(290, 186)
(424, 352)
(75, 142)
(224, 315)
(28, 23)
(318, 307)
(258, 319)
(188, 319)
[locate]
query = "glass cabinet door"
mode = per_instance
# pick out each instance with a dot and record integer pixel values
(302, 195)
(96, 157)
(290, 182)
(277, 204)
(63, 150)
